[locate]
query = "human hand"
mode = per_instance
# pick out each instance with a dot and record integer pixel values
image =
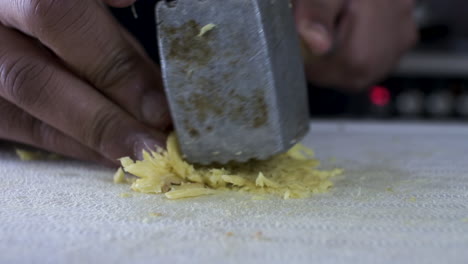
(74, 82)
(353, 43)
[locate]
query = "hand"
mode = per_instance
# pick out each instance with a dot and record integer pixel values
(353, 43)
(74, 82)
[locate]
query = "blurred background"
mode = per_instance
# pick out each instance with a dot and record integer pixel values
(431, 82)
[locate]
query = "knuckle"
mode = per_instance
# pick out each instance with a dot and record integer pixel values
(118, 64)
(103, 127)
(57, 16)
(358, 64)
(360, 69)
(24, 82)
(18, 125)
(37, 13)
(361, 82)
(41, 133)
(44, 135)
(9, 118)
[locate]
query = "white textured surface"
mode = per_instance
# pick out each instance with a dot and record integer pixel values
(69, 212)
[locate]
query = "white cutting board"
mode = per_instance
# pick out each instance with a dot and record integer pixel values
(404, 199)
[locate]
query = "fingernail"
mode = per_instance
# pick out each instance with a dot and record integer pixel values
(147, 143)
(155, 109)
(317, 38)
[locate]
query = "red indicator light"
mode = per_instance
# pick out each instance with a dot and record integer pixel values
(380, 96)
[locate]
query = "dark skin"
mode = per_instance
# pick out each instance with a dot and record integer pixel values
(74, 82)
(353, 43)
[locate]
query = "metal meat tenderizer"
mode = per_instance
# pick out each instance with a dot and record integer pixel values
(234, 77)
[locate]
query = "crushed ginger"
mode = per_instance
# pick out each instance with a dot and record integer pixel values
(293, 174)
(27, 155)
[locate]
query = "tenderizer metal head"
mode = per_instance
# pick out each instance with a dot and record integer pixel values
(234, 77)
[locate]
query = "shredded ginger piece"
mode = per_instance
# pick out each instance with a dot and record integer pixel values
(186, 193)
(26, 155)
(119, 176)
(156, 214)
(206, 29)
(290, 175)
(126, 195)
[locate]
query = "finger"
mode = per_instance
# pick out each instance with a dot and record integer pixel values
(368, 55)
(163, 113)
(371, 44)
(331, 71)
(38, 84)
(21, 127)
(316, 21)
(119, 3)
(87, 38)
(411, 32)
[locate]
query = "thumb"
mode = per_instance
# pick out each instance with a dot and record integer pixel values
(316, 22)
